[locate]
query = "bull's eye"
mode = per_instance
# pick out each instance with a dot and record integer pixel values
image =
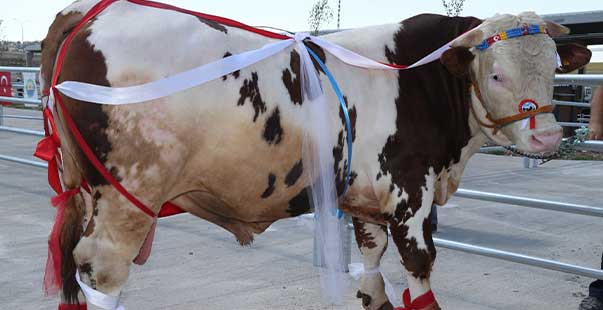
(496, 78)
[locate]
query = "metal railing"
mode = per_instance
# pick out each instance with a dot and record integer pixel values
(531, 202)
(519, 258)
(579, 79)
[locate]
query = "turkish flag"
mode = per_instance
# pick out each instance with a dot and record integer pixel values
(5, 86)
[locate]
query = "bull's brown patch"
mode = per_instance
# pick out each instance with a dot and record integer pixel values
(270, 189)
(251, 91)
(58, 31)
(338, 150)
(363, 238)
(416, 261)
(300, 204)
(273, 131)
(294, 174)
(83, 63)
(291, 76)
(213, 24)
(291, 82)
(366, 298)
(234, 74)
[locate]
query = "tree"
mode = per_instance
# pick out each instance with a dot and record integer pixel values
(320, 14)
(338, 13)
(453, 7)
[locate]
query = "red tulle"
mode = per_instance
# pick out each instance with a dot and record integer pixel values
(52, 274)
(420, 303)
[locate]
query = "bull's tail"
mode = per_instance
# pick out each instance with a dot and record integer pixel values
(67, 229)
(71, 232)
(65, 235)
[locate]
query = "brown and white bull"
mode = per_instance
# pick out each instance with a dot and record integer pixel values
(229, 151)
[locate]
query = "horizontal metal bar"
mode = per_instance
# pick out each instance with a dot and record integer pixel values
(22, 130)
(22, 117)
(20, 100)
(531, 202)
(579, 79)
(570, 124)
(20, 69)
(595, 146)
(37, 164)
(572, 103)
(519, 258)
(490, 149)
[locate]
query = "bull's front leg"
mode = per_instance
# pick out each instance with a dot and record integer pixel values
(372, 242)
(411, 231)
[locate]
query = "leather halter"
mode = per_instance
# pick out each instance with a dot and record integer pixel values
(498, 123)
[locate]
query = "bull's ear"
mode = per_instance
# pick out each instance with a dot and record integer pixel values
(573, 56)
(556, 30)
(457, 60)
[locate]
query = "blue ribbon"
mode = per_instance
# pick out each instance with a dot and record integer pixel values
(348, 125)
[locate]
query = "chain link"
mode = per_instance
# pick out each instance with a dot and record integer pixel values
(543, 156)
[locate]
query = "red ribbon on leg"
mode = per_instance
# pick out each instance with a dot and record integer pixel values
(426, 301)
(73, 307)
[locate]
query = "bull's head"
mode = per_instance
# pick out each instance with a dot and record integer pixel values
(511, 62)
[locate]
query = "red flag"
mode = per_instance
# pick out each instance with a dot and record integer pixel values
(5, 87)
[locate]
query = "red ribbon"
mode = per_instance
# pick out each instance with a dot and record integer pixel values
(52, 274)
(48, 150)
(420, 303)
(73, 307)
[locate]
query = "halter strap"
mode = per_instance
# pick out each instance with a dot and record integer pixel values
(524, 30)
(498, 123)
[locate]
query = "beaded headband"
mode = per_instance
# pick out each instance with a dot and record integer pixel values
(524, 30)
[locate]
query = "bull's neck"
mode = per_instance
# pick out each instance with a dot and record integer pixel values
(428, 95)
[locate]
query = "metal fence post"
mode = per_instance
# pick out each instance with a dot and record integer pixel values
(345, 232)
(1, 115)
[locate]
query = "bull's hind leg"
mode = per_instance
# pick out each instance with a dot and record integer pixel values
(411, 231)
(372, 241)
(111, 240)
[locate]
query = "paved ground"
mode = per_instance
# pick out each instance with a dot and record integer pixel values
(196, 265)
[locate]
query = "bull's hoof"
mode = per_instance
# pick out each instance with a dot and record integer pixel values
(591, 303)
(386, 306)
(366, 302)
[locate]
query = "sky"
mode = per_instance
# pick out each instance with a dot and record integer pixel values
(34, 16)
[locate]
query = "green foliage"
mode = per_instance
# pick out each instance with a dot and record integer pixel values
(567, 149)
(320, 14)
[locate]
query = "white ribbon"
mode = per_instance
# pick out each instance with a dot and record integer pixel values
(101, 300)
(171, 84)
(211, 71)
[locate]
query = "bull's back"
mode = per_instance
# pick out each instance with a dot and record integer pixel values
(230, 137)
